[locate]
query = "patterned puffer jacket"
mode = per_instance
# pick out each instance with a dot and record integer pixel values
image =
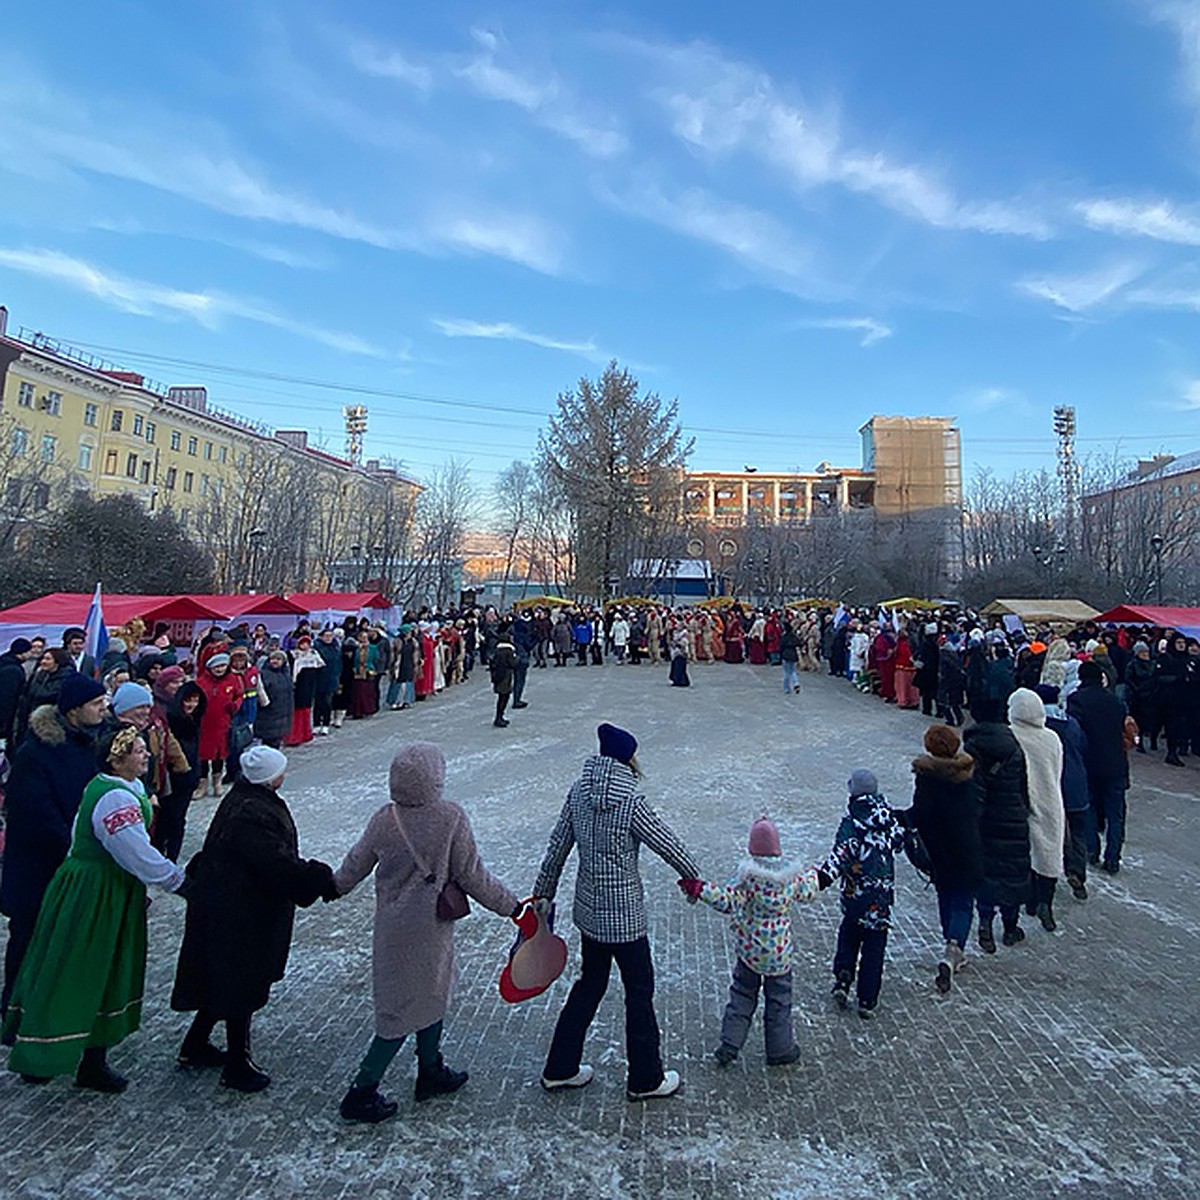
(760, 899)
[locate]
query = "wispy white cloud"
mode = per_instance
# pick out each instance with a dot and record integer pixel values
(388, 63)
(872, 331)
(1157, 219)
(1086, 290)
(147, 299)
(724, 108)
(1190, 400)
(521, 238)
(548, 101)
(754, 238)
(456, 327)
(988, 398)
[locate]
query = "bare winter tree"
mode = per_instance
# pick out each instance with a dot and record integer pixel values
(514, 495)
(617, 456)
(444, 513)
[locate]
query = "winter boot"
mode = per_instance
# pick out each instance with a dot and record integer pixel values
(438, 1080)
(241, 1073)
(1077, 886)
(945, 969)
(1013, 936)
(367, 1106)
(987, 939)
(957, 956)
(725, 1054)
(783, 1060)
(1045, 914)
(841, 989)
(96, 1075)
(200, 1054)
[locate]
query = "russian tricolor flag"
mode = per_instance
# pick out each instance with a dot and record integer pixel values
(95, 635)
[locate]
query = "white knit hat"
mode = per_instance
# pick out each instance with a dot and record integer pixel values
(261, 764)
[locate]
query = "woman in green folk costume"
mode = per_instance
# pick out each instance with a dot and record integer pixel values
(80, 987)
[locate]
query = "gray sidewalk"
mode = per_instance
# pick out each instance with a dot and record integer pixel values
(1065, 1066)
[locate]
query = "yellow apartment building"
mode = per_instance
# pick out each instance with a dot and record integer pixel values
(74, 422)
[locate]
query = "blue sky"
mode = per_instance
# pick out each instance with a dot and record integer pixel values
(788, 215)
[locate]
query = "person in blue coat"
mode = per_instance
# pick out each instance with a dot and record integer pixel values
(51, 768)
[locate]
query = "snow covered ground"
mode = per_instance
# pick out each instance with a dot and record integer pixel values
(1065, 1066)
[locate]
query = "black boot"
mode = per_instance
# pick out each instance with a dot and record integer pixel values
(987, 939)
(241, 1073)
(366, 1105)
(1045, 914)
(437, 1080)
(96, 1075)
(197, 1050)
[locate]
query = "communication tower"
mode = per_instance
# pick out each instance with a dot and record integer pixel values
(356, 425)
(1068, 468)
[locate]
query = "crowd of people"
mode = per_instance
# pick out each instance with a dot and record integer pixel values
(105, 758)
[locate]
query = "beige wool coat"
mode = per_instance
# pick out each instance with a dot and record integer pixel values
(413, 968)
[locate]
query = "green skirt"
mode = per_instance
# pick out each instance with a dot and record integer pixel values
(82, 979)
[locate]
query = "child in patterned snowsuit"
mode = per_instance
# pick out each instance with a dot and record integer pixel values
(862, 857)
(759, 899)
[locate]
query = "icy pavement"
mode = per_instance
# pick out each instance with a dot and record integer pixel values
(1065, 1066)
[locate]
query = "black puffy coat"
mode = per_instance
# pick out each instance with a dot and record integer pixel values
(245, 885)
(274, 720)
(1004, 821)
(946, 811)
(52, 767)
(1102, 716)
(926, 677)
(12, 687)
(1140, 686)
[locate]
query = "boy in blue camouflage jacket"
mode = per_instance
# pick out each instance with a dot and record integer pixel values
(862, 858)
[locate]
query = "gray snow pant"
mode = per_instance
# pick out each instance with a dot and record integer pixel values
(777, 1010)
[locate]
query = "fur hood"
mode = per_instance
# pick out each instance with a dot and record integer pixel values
(1026, 708)
(767, 870)
(958, 769)
(47, 726)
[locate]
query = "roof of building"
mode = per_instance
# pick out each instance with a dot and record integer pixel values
(1180, 465)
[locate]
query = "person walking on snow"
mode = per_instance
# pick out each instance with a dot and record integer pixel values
(606, 816)
(760, 900)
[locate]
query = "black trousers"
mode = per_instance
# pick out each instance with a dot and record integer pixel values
(520, 672)
(642, 1048)
(171, 822)
(322, 708)
(860, 951)
(20, 934)
(501, 705)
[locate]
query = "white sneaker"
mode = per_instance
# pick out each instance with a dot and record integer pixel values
(668, 1087)
(322, 731)
(581, 1078)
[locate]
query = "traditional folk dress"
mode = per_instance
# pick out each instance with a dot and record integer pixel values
(81, 981)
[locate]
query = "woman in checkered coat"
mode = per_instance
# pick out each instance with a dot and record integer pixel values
(608, 819)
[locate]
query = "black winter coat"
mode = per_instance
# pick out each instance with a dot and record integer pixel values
(245, 885)
(43, 689)
(926, 677)
(946, 811)
(52, 767)
(12, 688)
(502, 664)
(1076, 794)
(1140, 685)
(1102, 716)
(1004, 822)
(274, 720)
(187, 729)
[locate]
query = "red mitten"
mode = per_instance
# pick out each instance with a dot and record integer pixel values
(691, 888)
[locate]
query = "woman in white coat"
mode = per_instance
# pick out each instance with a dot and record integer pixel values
(1047, 815)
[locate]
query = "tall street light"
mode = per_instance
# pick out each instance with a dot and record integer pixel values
(1156, 544)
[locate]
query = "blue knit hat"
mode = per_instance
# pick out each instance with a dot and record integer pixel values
(76, 690)
(616, 743)
(131, 695)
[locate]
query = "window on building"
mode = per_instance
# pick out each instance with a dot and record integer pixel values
(25, 395)
(223, 455)
(54, 403)
(192, 444)
(145, 471)
(131, 464)
(110, 462)
(1176, 490)
(85, 456)
(137, 424)
(49, 447)
(188, 480)
(204, 485)
(169, 481)
(39, 496)
(208, 450)
(1194, 487)
(118, 419)
(183, 518)
(12, 493)
(90, 415)
(175, 439)
(150, 431)
(20, 442)
(241, 459)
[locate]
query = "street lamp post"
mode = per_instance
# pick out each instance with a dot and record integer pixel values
(255, 537)
(1156, 544)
